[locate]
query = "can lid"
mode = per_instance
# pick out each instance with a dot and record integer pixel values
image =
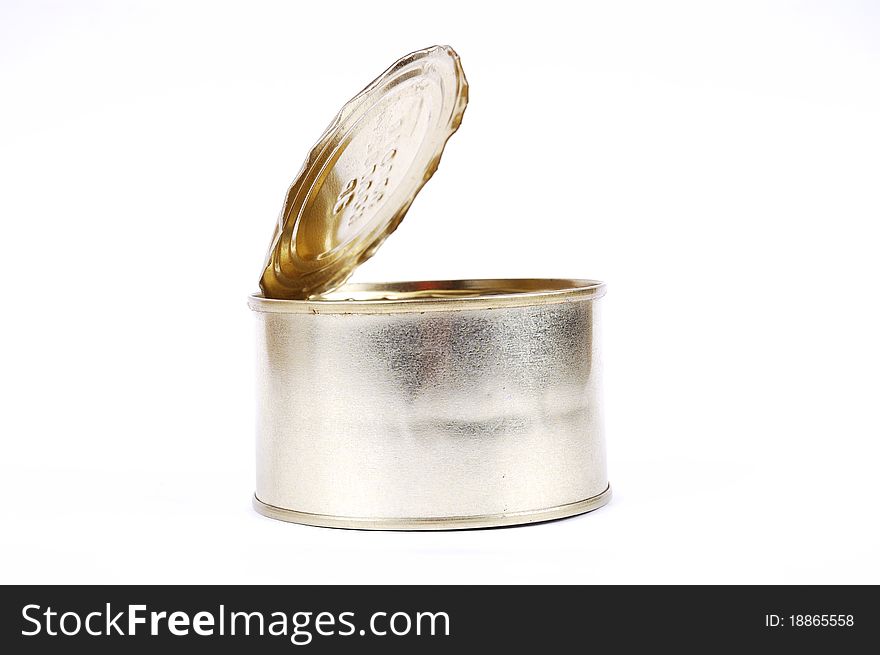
(361, 177)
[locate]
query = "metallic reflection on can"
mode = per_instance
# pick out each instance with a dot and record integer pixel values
(439, 405)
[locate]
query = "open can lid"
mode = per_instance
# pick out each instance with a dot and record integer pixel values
(361, 177)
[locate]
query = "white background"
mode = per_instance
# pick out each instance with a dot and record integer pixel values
(716, 164)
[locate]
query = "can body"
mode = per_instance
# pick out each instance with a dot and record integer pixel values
(434, 405)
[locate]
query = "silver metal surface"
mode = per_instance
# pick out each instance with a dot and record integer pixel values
(442, 523)
(431, 405)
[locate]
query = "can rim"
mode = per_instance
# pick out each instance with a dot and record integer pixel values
(474, 522)
(435, 295)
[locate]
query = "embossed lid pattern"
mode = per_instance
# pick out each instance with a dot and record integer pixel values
(361, 177)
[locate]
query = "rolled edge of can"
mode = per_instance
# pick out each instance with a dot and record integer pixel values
(506, 519)
(436, 295)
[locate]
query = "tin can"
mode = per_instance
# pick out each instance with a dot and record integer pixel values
(431, 405)
(414, 405)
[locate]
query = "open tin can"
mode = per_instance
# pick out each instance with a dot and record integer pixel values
(414, 405)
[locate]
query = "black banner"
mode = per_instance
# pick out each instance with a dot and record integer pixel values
(109, 619)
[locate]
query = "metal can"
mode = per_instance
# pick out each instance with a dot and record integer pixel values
(414, 405)
(431, 405)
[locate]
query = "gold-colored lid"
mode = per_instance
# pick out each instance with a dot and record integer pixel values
(362, 175)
